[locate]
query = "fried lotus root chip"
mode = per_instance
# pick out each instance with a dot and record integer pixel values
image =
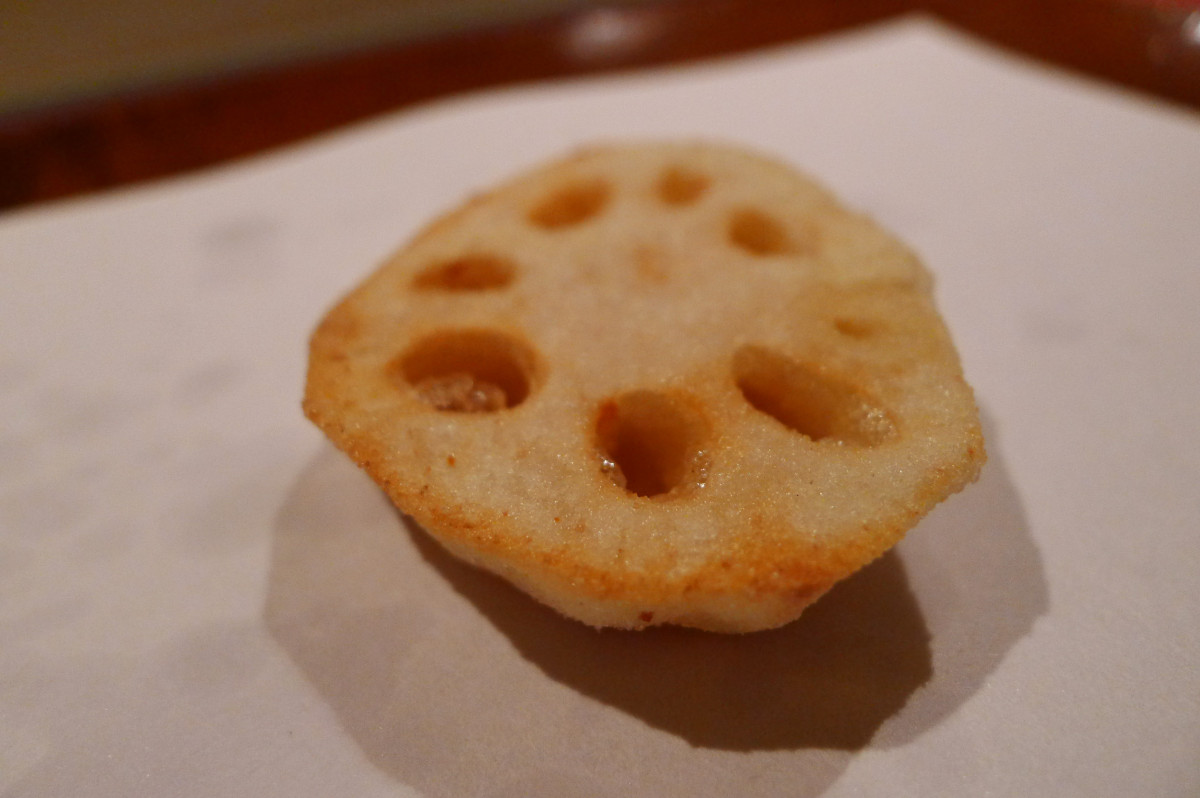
(660, 383)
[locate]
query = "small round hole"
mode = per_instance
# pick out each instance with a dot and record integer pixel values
(680, 186)
(808, 400)
(758, 233)
(855, 328)
(467, 371)
(653, 444)
(477, 272)
(571, 205)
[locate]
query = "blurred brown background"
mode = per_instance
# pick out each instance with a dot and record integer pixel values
(53, 51)
(96, 94)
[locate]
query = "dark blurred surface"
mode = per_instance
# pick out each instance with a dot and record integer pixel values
(130, 131)
(56, 51)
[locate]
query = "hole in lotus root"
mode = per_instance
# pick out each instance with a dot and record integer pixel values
(653, 444)
(679, 186)
(809, 400)
(478, 272)
(468, 371)
(855, 328)
(571, 204)
(758, 233)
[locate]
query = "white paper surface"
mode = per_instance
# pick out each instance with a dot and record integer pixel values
(199, 597)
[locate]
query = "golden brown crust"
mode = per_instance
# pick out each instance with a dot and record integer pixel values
(725, 392)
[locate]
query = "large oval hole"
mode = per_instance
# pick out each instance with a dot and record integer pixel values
(807, 399)
(652, 443)
(468, 371)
